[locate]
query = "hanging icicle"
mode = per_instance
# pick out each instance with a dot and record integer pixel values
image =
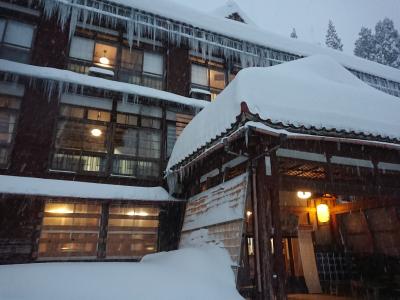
(139, 25)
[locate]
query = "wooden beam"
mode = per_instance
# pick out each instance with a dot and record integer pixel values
(269, 227)
(364, 204)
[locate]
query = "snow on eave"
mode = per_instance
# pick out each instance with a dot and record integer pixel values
(66, 76)
(77, 189)
(231, 7)
(311, 96)
(256, 35)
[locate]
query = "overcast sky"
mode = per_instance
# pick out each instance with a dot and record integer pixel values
(310, 17)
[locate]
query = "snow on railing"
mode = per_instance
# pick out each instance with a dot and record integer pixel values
(140, 25)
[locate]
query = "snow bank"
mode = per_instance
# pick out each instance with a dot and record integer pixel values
(64, 76)
(77, 189)
(311, 92)
(179, 275)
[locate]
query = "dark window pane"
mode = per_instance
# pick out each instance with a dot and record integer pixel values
(151, 123)
(127, 119)
(72, 111)
(80, 136)
(126, 141)
(150, 144)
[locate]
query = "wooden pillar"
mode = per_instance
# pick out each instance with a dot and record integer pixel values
(102, 247)
(271, 263)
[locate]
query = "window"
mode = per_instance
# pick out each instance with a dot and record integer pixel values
(15, 40)
(136, 66)
(132, 231)
(176, 122)
(137, 145)
(9, 109)
(87, 141)
(207, 81)
(81, 48)
(86, 52)
(70, 230)
(105, 55)
(142, 68)
(81, 139)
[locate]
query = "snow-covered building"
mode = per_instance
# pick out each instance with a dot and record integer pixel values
(294, 169)
(93, 95)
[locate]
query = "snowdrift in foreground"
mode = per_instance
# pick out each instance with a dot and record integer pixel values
(183, 274)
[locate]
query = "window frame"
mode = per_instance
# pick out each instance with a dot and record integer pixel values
(10, 146)
(210, 66)
(8, 46)
(81, 153)
(121, 73)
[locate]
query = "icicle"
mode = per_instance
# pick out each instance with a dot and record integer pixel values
(125, 98)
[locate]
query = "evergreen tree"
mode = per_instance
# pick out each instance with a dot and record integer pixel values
(332, 38)
(383, 46)
(365, 44)
(293, 35)
(387, 48)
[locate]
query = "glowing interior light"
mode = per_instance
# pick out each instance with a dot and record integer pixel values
(323, 213)
(249, 213)
(104, 60)
(137, 213)
(303, 195)
(60, 210)
(96, 132)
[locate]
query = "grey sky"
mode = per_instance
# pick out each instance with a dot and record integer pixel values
(310, 17)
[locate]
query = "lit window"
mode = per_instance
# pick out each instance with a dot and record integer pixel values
(81, 139)
(105, 55)
(217, 79)
(70, 230)
(132, 231)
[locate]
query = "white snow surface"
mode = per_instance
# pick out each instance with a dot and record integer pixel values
(224, 202)
(66, 76)
(256, 35)
(78, 189)
(314, 91)
(195, 274)
(230, 7)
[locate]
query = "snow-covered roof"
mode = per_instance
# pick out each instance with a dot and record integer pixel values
(229, 8)
(65, 76)
(190, 273)
(315, 93)
(77, 189)
(256, 35)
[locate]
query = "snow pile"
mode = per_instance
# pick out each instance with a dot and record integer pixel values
(77, 189)
(62, 79)
(179, 275)
(310, 92)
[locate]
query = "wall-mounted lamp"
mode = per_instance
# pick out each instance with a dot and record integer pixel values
(104, 60)
(323, 213)
(303, 195)
(96, 132)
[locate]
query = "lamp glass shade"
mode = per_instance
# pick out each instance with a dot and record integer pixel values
(323, 213)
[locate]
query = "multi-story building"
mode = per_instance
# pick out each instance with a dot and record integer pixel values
(96, 92)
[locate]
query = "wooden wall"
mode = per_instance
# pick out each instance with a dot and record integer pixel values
(19, 219)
